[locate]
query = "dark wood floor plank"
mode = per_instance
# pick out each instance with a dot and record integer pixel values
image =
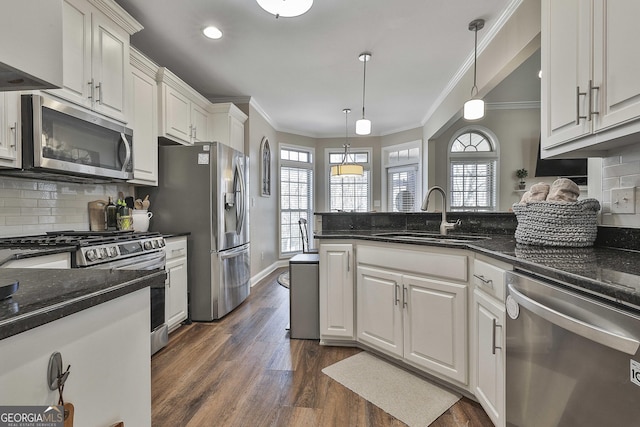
(243, 370)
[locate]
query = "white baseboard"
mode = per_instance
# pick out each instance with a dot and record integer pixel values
(270, 269)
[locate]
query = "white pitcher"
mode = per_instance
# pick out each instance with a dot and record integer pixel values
(141, 219)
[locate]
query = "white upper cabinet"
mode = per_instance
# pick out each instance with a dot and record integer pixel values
(96, 69)
(183, 111)
(227, 125)
(590, 85)
(10, 132)
(144, 116)
(31, 48)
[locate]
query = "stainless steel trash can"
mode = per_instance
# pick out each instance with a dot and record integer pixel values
(304, 310)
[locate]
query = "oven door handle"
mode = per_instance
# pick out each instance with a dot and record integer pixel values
(586, 330)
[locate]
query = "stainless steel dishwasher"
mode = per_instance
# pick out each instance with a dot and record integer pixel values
(572, 360)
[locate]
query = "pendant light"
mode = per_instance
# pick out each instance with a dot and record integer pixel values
(346, 168)
(474, 108)
(363, 126)
(286, 8)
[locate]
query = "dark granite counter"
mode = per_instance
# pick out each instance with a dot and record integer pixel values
(612, 274)
(11, 254)
(45, 295)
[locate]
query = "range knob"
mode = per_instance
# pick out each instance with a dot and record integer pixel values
(154, 243)
(91, 255)
(103, 253)
(113, 252)
(148, 245)
(162, 243)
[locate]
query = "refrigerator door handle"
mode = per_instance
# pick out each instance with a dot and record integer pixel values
(240, 201)
(230, 253)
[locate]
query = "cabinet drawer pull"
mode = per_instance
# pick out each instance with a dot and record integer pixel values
(487, 282)
(591, 97)
(578, 95)
(396, 294)
(90, 83)
(348, 261)
(177, 250)
(493, 338)
(99, 87)
(404, 297)
(14, 129)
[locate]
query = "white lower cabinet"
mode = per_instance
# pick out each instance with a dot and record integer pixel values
(336, 292)
(404, 311)
(490, 361)
(489, 336)
(176, 309)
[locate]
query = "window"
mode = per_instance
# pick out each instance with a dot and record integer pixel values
(296, 196)
(401, 164)
(401, 185)
(350, 193)
(473, 162)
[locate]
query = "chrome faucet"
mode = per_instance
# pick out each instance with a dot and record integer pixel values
(444, 225)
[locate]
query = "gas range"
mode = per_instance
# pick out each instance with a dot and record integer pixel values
(94, 247)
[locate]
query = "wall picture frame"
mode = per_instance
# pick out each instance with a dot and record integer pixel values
(265, 168)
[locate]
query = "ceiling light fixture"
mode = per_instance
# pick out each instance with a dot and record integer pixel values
(474, 108)
(212, 32)
(286, 8)
(363, 126)
(347, 168)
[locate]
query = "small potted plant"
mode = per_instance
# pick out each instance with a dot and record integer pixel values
(522, 174)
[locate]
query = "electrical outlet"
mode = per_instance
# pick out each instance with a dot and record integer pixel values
(623, 200)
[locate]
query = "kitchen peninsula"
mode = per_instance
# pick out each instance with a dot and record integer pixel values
(99, 321)
(609, 268)
(440, 305)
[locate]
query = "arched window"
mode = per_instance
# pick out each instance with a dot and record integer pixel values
(473, 167)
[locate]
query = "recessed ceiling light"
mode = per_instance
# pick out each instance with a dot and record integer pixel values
(212, 32)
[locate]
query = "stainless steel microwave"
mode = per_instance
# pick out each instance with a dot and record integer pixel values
(58, 138)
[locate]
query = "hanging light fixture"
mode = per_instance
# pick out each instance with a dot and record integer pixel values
(474, 108)
(347, 168)
(286, 8)
(363, 126)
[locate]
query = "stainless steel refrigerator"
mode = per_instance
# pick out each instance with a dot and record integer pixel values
(203, 189)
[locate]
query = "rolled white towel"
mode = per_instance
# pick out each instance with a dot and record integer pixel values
(539, 192)
(563, 190)
(526, 197)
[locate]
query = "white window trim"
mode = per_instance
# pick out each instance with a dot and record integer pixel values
(366, 166)
(384, 154)
(493, 139)
(281, 162)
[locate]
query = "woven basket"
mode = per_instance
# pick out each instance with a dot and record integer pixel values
(557, 223)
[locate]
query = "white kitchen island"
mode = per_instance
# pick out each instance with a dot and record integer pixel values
(106, 342)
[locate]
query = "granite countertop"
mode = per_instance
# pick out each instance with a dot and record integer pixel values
(613, 274)
(11, 254)
(170, 235)
(45, 295)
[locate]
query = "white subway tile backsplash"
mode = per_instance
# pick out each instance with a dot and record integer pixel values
(621, 169)
(613, 160)
(21, 220)
(32, 207)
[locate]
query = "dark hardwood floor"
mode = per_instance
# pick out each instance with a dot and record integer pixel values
(245, 371)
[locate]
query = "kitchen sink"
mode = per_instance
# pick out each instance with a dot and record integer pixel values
(431, 237)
